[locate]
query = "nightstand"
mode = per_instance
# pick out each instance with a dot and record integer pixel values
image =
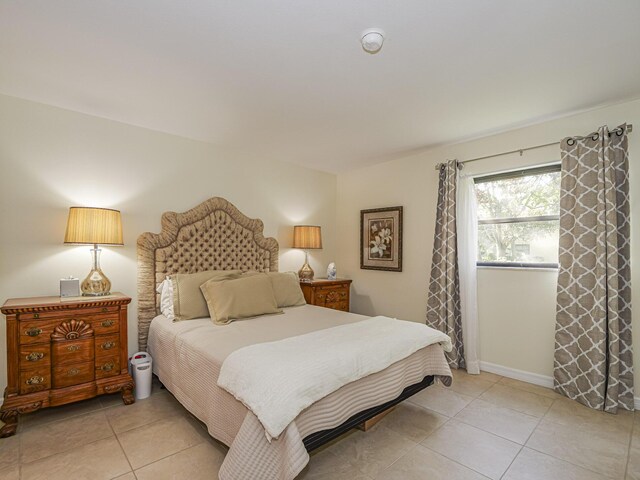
(327, 293)
(62, 350)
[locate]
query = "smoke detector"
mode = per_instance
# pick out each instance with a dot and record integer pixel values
(372, 40)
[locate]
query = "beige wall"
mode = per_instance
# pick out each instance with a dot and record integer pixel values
(51, 159)
(516, 307)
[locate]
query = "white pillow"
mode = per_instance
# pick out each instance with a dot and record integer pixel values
(165, 289)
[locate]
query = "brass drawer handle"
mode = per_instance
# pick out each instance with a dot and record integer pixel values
(72, 372)
(35, 380)
(33, 332)
(107, 323)
(36, 315)
(108, 345)
(73, 348)
(107, 367)
(34, 356)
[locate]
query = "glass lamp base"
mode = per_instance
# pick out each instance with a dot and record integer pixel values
(96, 284)
(306, 272)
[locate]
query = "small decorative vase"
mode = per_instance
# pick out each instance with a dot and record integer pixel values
(331, 271)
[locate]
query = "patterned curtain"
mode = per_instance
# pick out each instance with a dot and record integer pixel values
(443, 304)
(593, 356)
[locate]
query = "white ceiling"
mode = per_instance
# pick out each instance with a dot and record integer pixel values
(288, 79)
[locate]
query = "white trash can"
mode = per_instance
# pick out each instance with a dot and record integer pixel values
(140, 367)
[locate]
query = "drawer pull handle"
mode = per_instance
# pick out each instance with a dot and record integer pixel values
(108, 345)
(36, 315)
(72, 372)
(34, 356)
(107, 367)
(33, 332)
(35, 380)
(107, 323)
(73, 348)
(105, 309)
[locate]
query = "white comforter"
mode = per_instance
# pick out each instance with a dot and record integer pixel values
(278, 380)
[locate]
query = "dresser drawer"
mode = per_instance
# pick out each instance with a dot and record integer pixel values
(107, 345)
(37, 331)
(72, 351)
(35, 379)
(32, 356)
(74, 374)
(67, 314)
(104, 324)
(327, 296)
(342, 306)
(107, 366)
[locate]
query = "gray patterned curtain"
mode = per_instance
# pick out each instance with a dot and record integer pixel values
(443, 304)
(593, 358)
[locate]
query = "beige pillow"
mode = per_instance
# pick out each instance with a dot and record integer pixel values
(188, 301)
(248, 296)
(286, 288)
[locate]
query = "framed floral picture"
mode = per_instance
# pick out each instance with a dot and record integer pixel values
(381, 239)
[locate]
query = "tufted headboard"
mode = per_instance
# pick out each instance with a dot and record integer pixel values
(215, 235)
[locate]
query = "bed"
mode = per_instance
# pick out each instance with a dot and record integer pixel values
(188, 355)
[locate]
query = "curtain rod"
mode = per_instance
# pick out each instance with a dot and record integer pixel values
(522, 150)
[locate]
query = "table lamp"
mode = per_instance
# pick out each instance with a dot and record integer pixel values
(306, 237)
(94, 226)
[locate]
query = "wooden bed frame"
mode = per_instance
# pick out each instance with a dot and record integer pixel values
(215, 235)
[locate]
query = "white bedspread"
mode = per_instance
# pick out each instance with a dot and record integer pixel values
(278, 380)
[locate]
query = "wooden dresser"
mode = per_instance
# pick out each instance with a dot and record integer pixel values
(63, 350)
(327, 293)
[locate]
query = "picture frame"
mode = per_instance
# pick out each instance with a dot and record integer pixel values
(381, 239)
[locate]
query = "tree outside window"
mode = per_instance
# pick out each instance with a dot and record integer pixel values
(518, 218)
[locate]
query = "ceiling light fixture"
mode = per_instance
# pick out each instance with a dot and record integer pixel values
(372, 40)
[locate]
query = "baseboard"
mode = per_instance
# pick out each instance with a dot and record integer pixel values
(535, 378)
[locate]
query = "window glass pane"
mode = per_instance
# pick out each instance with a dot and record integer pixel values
(526, 196)
(526, 242)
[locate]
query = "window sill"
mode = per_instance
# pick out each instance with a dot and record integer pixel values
(535, 269)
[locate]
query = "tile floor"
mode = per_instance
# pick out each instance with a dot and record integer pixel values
(482, 427)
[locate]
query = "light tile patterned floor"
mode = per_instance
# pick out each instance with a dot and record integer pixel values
(482, 427)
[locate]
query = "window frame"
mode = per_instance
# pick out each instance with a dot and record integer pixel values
(524, 172)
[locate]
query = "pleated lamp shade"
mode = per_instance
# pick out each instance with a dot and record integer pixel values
(307, 237)
(101, 226)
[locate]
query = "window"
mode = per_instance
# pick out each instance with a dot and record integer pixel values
(518, 218)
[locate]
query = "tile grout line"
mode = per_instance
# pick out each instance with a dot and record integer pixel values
(66, 450)
(61, 452)
(159, 459)
(19, 454)
(485, 431)
(167, 456)
(525, 442)
(455, 461)
(121, 447)
(626, 465)
(466, 466)
(524, 389)
(511, 463)
(420, 442)
(562, 459)
(26, 428)
(569, 462)
(397, 459)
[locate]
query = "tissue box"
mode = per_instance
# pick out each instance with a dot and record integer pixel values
(69, 287)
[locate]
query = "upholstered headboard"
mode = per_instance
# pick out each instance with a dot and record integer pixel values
(215, 235)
